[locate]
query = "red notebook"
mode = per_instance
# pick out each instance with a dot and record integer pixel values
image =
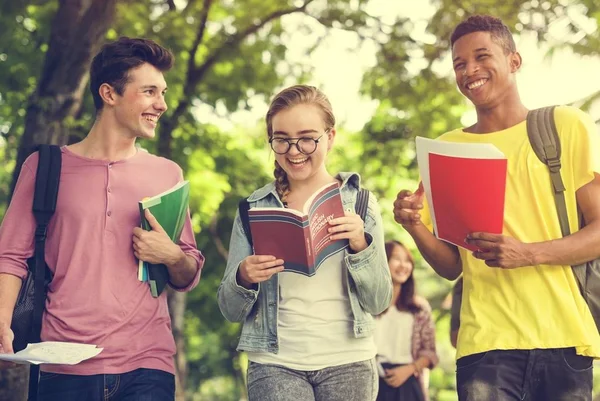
(465, 187)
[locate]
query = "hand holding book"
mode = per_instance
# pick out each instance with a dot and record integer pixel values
(300, 238)
(255, 269)
(155, 246)
(407, 206)
(169, 209)
(350, 227)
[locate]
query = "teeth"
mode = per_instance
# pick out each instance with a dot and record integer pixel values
(151, 118)
(299, 161)
(476, 84)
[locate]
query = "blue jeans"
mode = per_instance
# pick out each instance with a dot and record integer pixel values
(351, 382)
(137, 385)
(525, 375)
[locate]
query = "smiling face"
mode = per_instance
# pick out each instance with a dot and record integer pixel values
(302, 121)
(401, 265)
(142, 103)
(484, 72)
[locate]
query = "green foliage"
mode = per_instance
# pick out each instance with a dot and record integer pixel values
(236, 54)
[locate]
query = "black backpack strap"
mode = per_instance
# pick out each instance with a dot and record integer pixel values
(243, 208)
(362, 203)
(44, 204)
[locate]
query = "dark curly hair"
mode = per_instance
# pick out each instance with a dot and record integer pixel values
(112, 64)
(485, 23)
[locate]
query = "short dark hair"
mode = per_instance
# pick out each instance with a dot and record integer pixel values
(112, 64)
(485, 23)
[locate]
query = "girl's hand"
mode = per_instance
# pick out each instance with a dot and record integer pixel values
(396, 377)
(350, 227)
(258, 268)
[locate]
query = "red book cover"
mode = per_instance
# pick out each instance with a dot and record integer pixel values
(467, 196)
(301, 239)
(465, 186)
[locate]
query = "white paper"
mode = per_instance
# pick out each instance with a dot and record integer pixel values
(425, 146)
(53, 352)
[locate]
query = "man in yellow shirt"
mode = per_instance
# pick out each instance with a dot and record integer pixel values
(526, 332)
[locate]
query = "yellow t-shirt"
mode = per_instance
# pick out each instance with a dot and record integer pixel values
(536, 306)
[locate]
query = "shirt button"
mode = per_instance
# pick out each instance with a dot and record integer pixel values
(108, 189)
(109, 213)
(110, 166)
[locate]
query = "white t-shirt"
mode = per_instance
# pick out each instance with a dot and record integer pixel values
(393, 336)
(315, 321)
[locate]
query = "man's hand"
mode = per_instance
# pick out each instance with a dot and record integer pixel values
(396, 377)
(501, 251)
(407, 206)
(155, 246)
(350, 227)
(6, 338)
(258, 268)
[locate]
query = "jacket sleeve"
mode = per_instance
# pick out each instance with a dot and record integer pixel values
(369, 268)
(235, 301)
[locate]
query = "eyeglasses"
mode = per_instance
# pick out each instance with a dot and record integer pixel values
(305, 145)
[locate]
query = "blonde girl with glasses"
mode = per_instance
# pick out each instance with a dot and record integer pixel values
(308, 338)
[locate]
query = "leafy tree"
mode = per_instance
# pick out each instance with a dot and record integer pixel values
(231, 55)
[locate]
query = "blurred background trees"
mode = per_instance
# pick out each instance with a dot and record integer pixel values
(231, 57)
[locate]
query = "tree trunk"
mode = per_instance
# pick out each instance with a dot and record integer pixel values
(77, 32)
(177, 303)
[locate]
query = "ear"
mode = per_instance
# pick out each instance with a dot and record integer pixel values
(108, 94)
(331, 136)
(515, 62)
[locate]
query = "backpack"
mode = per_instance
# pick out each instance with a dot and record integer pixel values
(543, 136)
(360, 207)
(26, 321)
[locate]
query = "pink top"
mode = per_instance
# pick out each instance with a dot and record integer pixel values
(95, 296)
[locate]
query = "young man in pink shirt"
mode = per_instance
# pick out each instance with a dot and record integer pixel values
(94, 241)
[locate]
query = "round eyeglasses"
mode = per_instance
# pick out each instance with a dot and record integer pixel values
(305, 145)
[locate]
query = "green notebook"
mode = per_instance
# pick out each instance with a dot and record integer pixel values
(170, 209)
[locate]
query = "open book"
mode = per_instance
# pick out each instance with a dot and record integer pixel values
(170, 209)
(53, 352)
(465, 187)
(301, 239)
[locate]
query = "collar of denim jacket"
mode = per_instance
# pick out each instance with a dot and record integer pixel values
(348, 179)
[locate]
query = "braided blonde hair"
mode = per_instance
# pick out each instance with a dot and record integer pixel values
(286, 99)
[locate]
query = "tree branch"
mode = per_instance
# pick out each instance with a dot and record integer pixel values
(171, 4)
(215, 236)
(199, 35)
(195, 75)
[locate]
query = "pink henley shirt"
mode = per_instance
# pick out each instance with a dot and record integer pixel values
(95, 296)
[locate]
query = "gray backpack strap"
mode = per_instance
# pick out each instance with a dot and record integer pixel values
(543, 136)
(544, 140)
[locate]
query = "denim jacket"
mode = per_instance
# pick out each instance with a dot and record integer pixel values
(369, 281)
